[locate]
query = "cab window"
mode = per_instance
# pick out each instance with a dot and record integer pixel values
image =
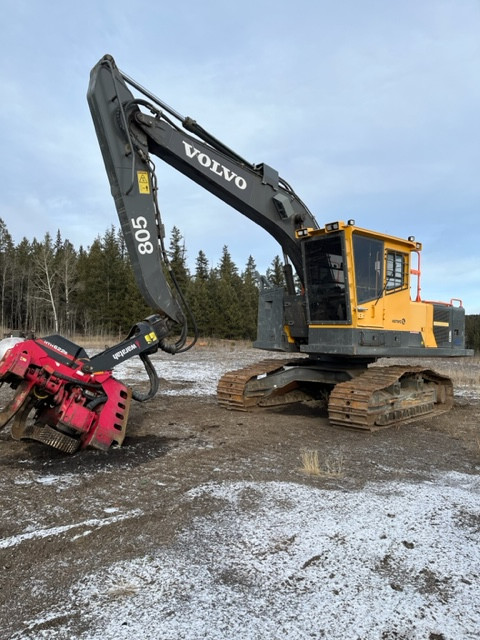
(396, 271)
(325, 279)
(368, 258)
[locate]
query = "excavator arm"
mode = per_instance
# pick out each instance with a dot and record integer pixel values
(131, 130)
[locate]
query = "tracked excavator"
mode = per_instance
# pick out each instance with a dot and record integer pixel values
(347, 300)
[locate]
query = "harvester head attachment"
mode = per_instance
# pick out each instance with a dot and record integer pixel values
(58, 401)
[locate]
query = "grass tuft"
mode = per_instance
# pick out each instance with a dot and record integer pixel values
(330, 467)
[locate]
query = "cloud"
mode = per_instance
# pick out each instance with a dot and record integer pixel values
(369, 110)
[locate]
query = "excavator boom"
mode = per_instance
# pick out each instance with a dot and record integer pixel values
(128, 136)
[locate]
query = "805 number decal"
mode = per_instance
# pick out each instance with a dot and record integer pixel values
(142, 235)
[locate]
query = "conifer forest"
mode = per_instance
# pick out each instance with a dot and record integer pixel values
(49, 286)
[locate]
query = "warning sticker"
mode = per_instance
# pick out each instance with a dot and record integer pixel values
(151, 337)
(143, 182)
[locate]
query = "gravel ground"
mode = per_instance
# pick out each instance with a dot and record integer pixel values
(205, 523)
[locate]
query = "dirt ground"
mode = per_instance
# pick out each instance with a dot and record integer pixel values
(53, 505)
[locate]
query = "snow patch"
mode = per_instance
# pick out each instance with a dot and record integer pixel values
(188, 376)
(281, 560)
(35, 534)
(8, 343)
(60, 481)
(469, 393)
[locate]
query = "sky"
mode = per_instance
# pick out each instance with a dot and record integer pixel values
(370, 110)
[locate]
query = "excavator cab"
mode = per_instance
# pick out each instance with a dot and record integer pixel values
(357, 300)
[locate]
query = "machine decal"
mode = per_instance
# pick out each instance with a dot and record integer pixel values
(55, 346)
(143, 183)
(123, 352)
(219, 169)
(142, 235)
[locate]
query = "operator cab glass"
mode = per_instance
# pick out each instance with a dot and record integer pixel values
(377, 271)
(397, 271)
(368, 259)
(326, 280)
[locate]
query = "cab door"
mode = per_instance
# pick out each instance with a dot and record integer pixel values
(326, 285)
(368, 257)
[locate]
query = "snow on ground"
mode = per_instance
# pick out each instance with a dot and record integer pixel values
(466, 392)
(35, 533)
(284, 561)
(197, 376)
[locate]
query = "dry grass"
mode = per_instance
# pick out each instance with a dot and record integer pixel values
(331, 466)
(223, 344)
(122, 590)
(465, 373)
(95, 341)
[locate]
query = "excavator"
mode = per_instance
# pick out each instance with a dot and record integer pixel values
(352, 296)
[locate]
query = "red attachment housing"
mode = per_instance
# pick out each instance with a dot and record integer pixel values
(89, 407)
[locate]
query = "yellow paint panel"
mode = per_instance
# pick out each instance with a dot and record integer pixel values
(286, 328)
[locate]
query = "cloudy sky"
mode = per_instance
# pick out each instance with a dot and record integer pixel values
(370, 109)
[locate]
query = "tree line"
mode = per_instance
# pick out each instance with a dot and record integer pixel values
(49, 286)
(472, 332)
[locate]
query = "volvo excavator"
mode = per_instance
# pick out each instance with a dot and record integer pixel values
(347, 300)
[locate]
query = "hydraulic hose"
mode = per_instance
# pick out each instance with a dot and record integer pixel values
(152, 376)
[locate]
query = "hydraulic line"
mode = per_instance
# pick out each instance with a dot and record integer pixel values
(152, 376)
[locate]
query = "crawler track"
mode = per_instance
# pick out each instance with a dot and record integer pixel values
(387, 396)
(376, 398)
(231, 387)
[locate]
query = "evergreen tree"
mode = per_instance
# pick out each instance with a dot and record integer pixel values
(91, 293)
(177, 260)
(6, 263)
(472, 332)
(22, 312)
(114, 284)
(250, 299)
(230, 320)
(275, 275)
(200, 297)
(201, 267)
